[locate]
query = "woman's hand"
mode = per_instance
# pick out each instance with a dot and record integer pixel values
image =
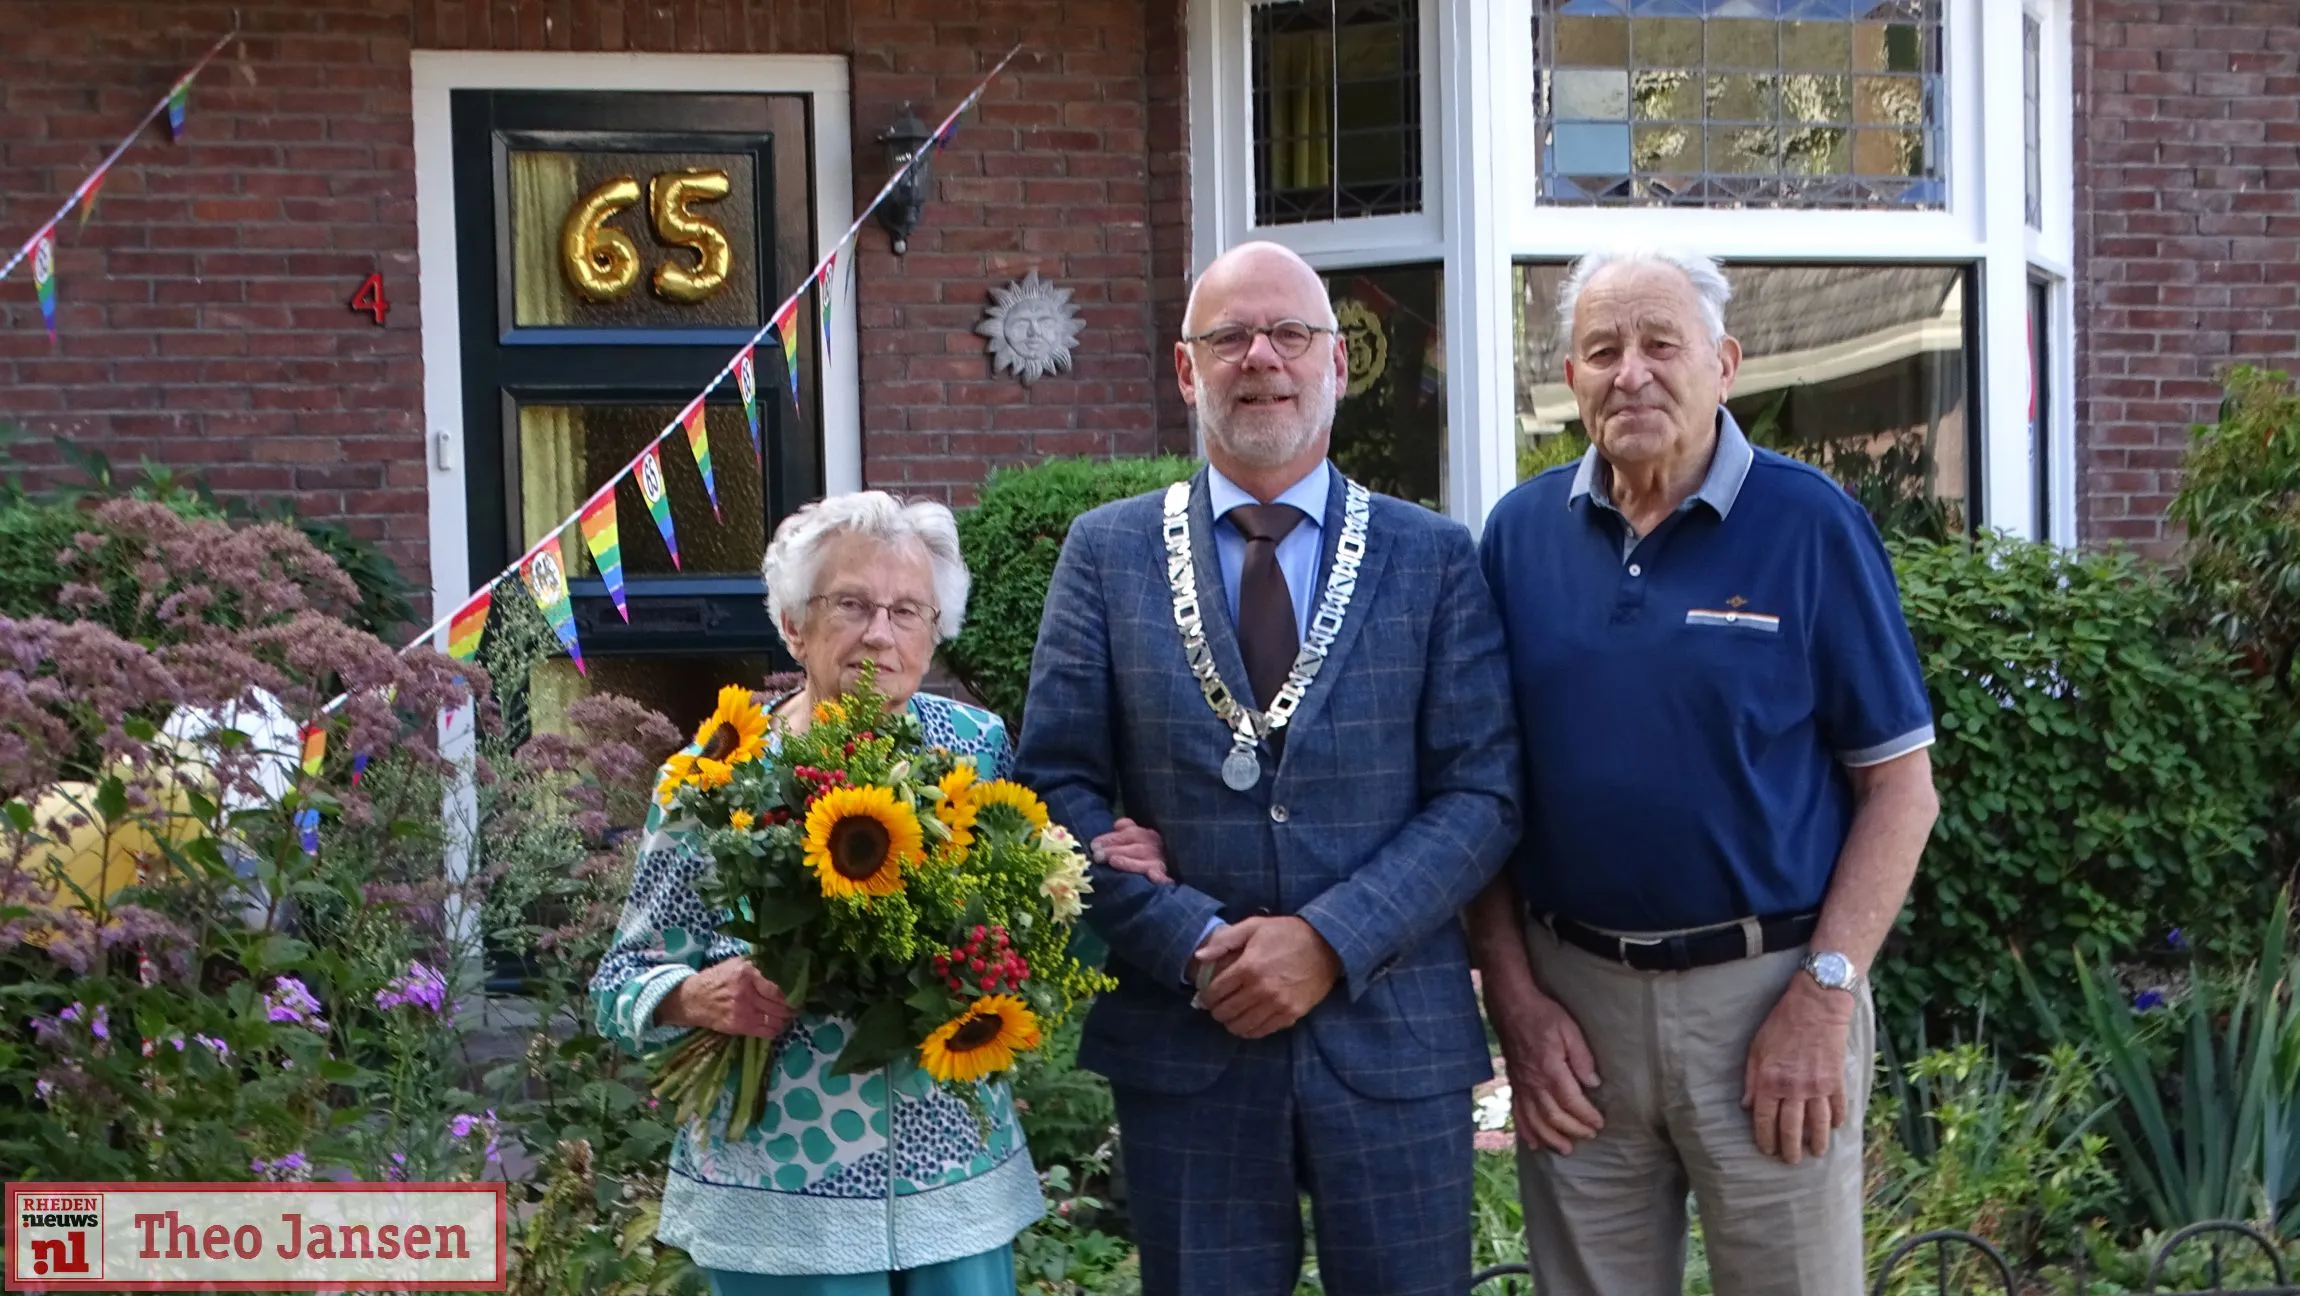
(1131, 848)
(731, 997)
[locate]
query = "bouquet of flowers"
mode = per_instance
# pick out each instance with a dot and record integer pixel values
(881, 881)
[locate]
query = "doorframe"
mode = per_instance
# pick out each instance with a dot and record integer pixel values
(438, 73)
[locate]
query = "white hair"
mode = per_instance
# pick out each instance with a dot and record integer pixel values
(1710, 288)
(795, 558)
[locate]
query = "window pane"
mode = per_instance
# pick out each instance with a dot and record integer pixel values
(1833, 103)
(1337, 110)
(1390, 424)
(567, 451)
(2032, 115)
(707, 278)
(2040, 404)
(1862, 369)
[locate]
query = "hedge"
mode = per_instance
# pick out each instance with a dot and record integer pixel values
(1011, 539)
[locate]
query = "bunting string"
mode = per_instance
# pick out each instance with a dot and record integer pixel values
(171, 103)
(542, 567)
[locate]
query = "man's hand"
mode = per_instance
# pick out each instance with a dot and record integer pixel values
(1131, 848)
(1550, 1069)
(1794, 1081)
(1273, 972)
(731, 997)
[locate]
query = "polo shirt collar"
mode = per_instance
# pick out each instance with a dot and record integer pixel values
(1309, 494)
(1728, 468)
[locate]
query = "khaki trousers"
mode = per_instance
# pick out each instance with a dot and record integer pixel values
(1610, 1219)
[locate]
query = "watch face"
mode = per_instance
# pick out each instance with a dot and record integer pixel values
(1832, 969)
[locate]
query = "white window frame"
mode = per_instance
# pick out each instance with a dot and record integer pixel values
(1482, 213)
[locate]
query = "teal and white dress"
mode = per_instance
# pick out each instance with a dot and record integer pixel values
(850, 1174)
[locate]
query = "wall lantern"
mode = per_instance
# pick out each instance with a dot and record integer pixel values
(904, 206)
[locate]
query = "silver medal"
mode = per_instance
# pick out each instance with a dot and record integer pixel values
(1241, 769)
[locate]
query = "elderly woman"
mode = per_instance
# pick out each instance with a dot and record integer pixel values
(877, 1184)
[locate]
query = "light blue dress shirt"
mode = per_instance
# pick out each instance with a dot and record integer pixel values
(1297, 553)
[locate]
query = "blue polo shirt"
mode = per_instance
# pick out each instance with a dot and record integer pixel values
(1690, 699)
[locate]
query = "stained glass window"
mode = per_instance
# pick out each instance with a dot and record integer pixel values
(1740, 103)
(1337, 109)
(1390, 418)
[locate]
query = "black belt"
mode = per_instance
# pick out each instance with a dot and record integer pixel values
(1688, 950)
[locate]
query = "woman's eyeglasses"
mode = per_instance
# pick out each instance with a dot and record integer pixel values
(852, 612)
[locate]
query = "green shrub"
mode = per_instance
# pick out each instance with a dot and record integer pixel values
(2100, 779)
(35, 526)
(1011, 539)
(2240, 500)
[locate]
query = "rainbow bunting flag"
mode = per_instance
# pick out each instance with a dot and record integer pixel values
(823, 303)
(747, 382)
(545, 572)
(314, 749)
(699, 441)
(464, 632)
(44, 279)
(598, 523)
(787, 324)
(307, 830)
(88, 197)
(650, 479)
(178, 99)
(358, 767)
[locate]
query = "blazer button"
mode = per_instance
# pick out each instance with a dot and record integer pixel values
(1278, 814)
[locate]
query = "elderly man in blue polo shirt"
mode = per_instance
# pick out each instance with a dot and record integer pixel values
(1726, 793)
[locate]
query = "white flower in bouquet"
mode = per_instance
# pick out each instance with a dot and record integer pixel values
(1066, 883)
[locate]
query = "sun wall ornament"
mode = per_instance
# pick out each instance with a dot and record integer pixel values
(1031, 325)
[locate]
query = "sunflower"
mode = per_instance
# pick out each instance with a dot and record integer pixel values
(981, 1040)
(859, 839)
(688, 768)
(741, 820)
(957, 809)
(737, 731)
(1004, 792)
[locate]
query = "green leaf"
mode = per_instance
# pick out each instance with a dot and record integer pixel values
(112, 800)
(881, 1035)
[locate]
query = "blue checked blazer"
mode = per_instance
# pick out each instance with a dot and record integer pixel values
(1395, 802)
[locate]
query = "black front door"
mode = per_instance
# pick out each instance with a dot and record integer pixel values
(614, 250)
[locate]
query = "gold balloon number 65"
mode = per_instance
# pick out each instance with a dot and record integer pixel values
(602, 262)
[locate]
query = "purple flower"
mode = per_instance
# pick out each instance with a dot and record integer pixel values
(100, 1025)
(420, 987)
(291, 1001)
(2176, 938)
(217, 1046)
(291, 1166)
(46, 1089)
(2152, 997)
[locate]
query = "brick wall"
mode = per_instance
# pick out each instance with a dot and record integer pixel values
(203, 314)
(2188, 235)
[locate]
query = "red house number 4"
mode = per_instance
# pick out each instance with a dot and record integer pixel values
(369, 298)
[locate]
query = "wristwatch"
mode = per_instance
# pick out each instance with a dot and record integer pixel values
(1832, 971)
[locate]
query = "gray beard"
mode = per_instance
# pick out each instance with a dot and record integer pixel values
(1271, 447)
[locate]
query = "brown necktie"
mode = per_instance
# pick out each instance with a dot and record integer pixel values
(1267, 635)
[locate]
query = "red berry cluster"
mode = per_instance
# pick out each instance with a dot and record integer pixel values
(864, 737)
(988, 961)
(818, 781)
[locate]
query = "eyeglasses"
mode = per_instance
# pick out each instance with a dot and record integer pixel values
(851, 612)
(1289, 338)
